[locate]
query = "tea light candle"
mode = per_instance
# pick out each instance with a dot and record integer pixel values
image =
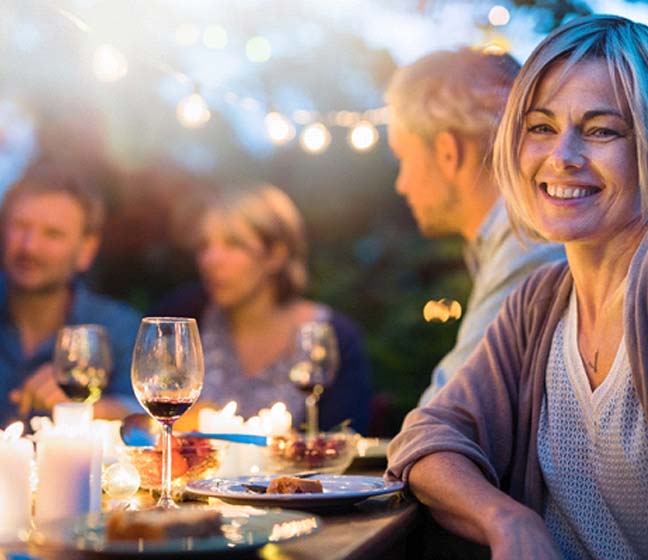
(69, 474)
(240, 459)
(277, 421)
(16, 455)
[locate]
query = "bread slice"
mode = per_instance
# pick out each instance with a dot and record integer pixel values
(157, 524)
(294, 485)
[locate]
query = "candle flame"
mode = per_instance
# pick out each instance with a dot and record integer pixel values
(14, 431)
(278, 408)
(229, 409)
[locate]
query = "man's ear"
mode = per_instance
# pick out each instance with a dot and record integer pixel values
(448, 151)
(87, 252)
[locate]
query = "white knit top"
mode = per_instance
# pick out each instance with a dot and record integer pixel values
(593, 452)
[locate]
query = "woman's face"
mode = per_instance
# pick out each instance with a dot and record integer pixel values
(233, 263)
(578, 156)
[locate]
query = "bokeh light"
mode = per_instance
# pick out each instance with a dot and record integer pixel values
(215, 37)
(499, 15)
(315, 138)
(120, 481)
(363, 136)
(258, 49)
(442, 311)
(279, 129)
(187, 34)
(108, 64)
(192, 111)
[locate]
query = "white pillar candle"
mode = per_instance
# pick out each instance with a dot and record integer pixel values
(16, 455)
(72, 415)
(68, 469)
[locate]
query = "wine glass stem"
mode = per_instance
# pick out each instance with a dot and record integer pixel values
(312, 420)
(166, 500)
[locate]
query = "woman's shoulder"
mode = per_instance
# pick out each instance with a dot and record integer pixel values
(545, 281)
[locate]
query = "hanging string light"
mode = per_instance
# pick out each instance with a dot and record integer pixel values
(108, 64)
(498, 16)
(363, 136)
(315, 138)
(279, 129)
(192, 111)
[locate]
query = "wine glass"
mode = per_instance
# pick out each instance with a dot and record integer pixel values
(167, 375)
(316, 365)
(82, 362)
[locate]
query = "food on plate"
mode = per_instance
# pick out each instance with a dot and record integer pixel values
(157, 524)
(191, 458)
(311, 452)
(294, 485)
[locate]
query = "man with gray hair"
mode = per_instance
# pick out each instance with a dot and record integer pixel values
(444, 113)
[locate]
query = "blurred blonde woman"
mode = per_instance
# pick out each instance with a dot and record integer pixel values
(538, 447)
(252, 261)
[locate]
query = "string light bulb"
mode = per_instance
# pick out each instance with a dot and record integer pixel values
(279, 129)
(363, 136)
(498, 16)
(315, 138)
(109, 64)
(192, 111)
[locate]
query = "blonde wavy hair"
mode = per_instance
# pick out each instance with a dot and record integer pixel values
(623, 45)
(275, 220)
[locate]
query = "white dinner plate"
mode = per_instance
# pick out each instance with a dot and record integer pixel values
(339, 491)
(244, 529)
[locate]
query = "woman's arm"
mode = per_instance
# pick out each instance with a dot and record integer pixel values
(464, 502)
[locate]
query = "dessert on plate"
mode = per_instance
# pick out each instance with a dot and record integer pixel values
(158, 524)
(294, 485)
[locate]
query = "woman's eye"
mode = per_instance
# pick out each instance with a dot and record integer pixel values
(602, 132)
(539, 129)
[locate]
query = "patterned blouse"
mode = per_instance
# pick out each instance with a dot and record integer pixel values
(224, 378)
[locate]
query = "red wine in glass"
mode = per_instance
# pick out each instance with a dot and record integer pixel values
(165, 409)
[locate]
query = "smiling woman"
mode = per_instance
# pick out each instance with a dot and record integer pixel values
(538, 446)
(578, 156)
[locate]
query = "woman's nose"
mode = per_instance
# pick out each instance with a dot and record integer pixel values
(567, 151)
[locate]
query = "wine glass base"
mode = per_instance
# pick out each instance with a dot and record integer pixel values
(166, 502)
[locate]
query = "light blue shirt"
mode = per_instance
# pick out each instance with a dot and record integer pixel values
(497, 263)
(119, 319)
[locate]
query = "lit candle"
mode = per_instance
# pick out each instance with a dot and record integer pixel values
(68, 467)
(16, 454)
(277, 421)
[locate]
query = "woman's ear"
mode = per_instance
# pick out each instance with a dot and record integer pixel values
(448, 152)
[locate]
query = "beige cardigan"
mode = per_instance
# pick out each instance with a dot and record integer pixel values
(489, 411)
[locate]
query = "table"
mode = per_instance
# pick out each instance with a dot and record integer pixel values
(383, 527)
(377, 528)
